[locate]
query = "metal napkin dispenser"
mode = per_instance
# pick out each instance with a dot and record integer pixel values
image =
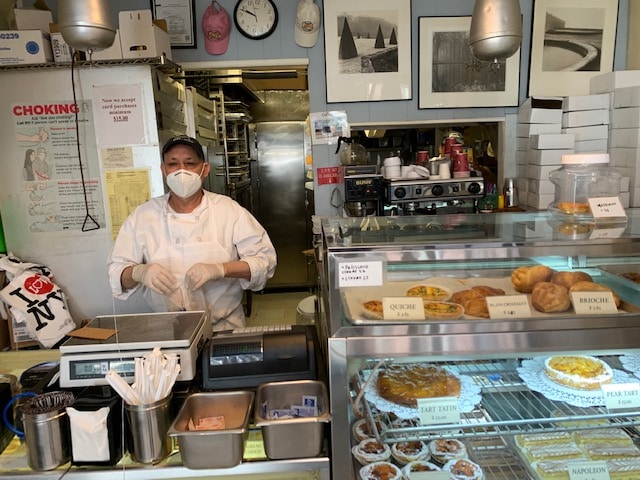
(245, 360)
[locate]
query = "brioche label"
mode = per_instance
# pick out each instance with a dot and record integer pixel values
(621, 395)
(593, 303)
(508, 306)
(360, 274)
(403, 308)
(588, 471)
(436, 411)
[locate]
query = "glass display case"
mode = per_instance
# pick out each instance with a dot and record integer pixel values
(501, 359)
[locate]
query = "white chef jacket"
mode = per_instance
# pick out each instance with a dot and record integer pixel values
(219, 230)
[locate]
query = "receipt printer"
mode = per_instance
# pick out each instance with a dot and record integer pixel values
(245, 359)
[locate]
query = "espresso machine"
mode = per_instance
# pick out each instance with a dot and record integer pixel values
(430, 197)
(362, 190)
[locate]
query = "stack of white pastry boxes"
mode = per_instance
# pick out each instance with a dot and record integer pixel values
(623, 88)
(541, 145)
(171, 113)
(201, 118)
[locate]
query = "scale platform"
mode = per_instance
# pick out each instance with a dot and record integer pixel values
(85, 362)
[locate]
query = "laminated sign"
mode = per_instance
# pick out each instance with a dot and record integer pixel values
(36, 300)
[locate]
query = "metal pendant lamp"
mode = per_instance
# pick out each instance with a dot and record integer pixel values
(86, 24)
(496, 29)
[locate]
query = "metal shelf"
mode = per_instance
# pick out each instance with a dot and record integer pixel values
(161, 63)
(508, 407)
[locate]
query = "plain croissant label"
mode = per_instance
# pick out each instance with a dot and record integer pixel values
(508, 306)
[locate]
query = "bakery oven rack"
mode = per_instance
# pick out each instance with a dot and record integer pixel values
(508, 407)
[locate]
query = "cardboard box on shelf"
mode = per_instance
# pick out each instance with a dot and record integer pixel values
(528, 129)
(540, 110)
(540, 172)
(541, 187)
(541, 202)
(625, 117)
(25, 47)
(595, 146)
(584, 118)
(33, 19)
(626, 97)
(552, 141)
(624, 137)
(608, 82)
(546, 156)
(592, 132)
(142, 37)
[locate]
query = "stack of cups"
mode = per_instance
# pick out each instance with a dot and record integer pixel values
(392, 168)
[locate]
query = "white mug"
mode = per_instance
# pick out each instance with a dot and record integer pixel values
(392, 161)
(444, 171)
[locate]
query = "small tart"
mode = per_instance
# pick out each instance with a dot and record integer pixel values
(380, 471)
(419, 466)
(443, 450)
(372, 309)
(442, 310)
(409, 451)
(429, 292)
(581, 372)
(463, 469)
(362, 430)
(370, 450)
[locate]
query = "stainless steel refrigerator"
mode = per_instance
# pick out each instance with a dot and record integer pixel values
(282, 204)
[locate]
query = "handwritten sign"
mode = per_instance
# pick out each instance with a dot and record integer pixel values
(604, 208)
(360, 274)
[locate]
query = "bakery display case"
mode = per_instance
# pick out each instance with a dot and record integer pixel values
(532, 385)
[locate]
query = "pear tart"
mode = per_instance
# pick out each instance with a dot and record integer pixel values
(580, 372)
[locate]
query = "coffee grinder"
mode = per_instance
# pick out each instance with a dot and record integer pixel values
(363, 190)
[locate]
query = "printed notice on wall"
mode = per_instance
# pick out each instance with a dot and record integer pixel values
(126, 189)
(57, 196)
(119, 115)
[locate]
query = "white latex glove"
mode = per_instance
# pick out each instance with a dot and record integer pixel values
(155, 276)
(201, 273)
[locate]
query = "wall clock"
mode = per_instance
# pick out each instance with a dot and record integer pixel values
(255, 19)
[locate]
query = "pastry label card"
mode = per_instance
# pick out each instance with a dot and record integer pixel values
(360, 274)
(619, 396)
(593, 303)
(430, 476)
(606, 208)
(436, 411)
(508, 306)
(588, 470)
(403, 308)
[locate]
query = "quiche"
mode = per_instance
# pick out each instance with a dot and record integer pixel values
(581, 372)
(429, 292)
(442, 310)
(372, 309)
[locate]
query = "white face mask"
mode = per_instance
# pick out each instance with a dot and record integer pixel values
(184, 183)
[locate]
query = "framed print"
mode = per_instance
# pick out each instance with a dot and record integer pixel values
(367, 50)
(572, 41)
(179, 15)
(449, 76)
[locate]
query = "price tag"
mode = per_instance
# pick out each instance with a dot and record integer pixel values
(593, 303)
(509, 306)
(436, 411)
(599, 233)
(403, 308)
(360, 274)
(606, 208)
(429, 476)
(588, 470)
(621, 395)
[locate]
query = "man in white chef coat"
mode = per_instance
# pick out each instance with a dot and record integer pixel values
(191, 245)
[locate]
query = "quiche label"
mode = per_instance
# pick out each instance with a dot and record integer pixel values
(403, 308)
(508, 306)
(436, 411)
(619, 396)
(593, 303)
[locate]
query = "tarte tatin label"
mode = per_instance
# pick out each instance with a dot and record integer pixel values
(436, 411)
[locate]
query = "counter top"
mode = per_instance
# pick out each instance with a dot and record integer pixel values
(15, 362)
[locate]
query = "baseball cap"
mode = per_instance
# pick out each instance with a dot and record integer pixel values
(216, 27)
(307, 23)
(183, 140)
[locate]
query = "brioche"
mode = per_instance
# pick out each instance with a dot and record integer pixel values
(525, 278)
(548, 297)
(567, 279)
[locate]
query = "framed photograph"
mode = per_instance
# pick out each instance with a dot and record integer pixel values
(179, 15)
(367, 50)
(572, 41)
(449, 76)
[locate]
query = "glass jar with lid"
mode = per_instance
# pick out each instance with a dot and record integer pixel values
(581, 177)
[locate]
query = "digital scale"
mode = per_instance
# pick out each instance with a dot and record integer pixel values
(85, 362)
